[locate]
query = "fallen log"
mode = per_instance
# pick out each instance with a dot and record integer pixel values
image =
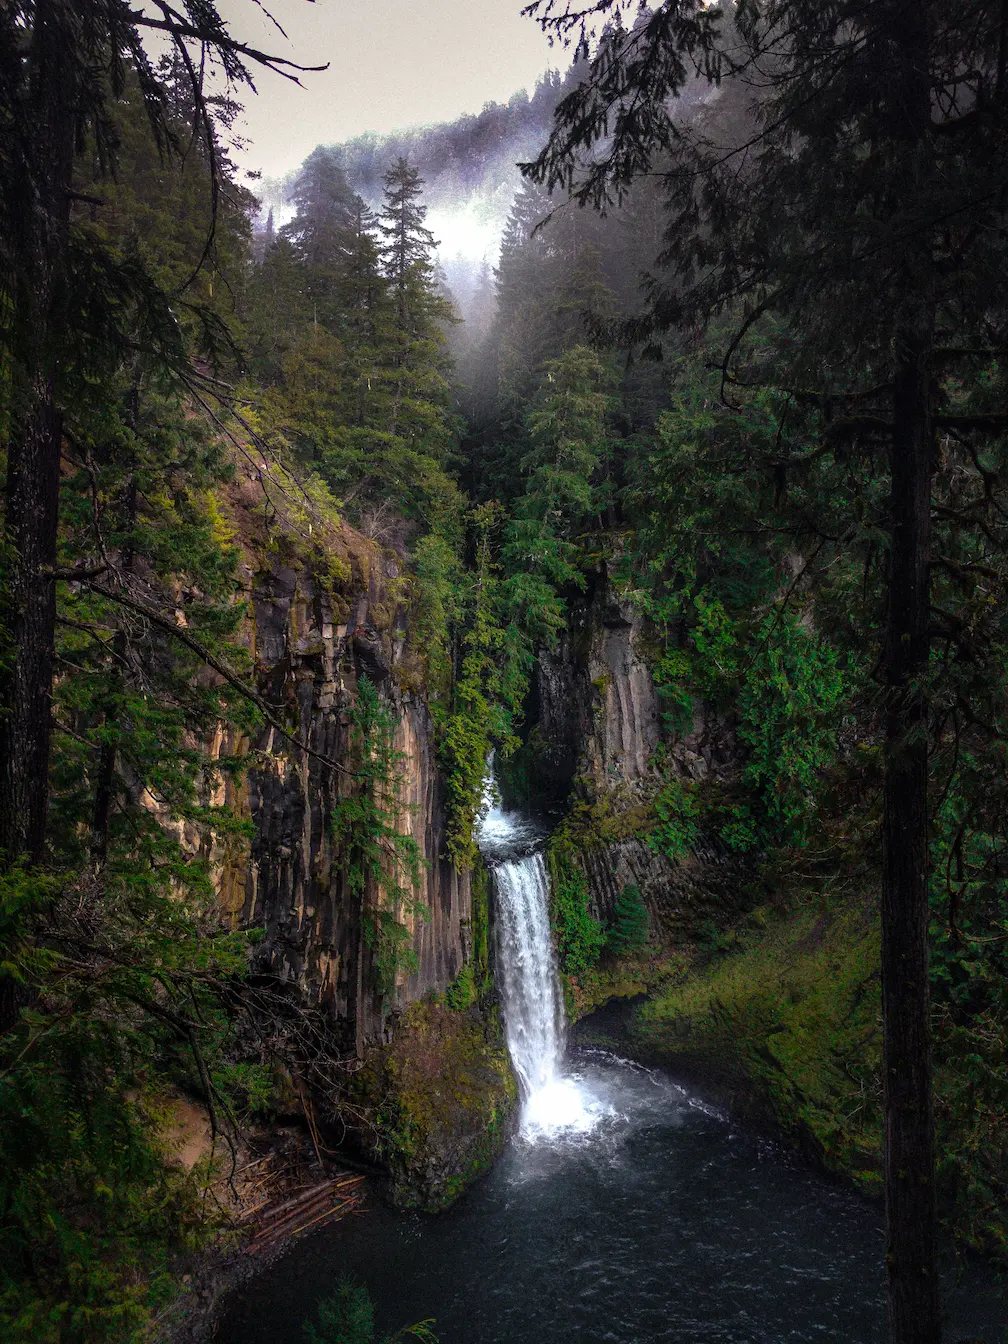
(292, 1225)
(278, 1219)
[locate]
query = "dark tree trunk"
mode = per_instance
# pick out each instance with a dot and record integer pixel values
(33, 465)
(358, 998)
(914, 1305)
(909, 1131)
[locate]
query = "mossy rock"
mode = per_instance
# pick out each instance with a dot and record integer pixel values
(442, 1098)
(787, 1011)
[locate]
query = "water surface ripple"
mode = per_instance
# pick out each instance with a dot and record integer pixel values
(664, 1221)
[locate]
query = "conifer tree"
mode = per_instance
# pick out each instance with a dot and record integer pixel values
(62, 64)
(325, 209)
(631, 922)
(567, 430)
(408, 246)
(818, 190)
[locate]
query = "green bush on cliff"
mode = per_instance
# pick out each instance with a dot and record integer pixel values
(489, 690)
(461, 993)
(381, 863)
(676, 827)
(631, 925)
(787, 688)
(791, 695)
(580, 938)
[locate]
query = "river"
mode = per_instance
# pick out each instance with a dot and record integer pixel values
(626, 1209)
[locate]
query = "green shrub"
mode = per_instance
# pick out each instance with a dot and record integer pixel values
(631, 925)
(345, 1318)
(348, 1318)
(461, 993)
(580, 937)
(676, 826)
(381, 863)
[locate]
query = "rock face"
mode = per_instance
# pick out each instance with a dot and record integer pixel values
(599, 716)
(598, 709)
(448, 1100)
(311, 642)
(599, 727)
(431, 1093)
(682, 896)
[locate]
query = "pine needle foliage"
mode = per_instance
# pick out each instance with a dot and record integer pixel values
(348, 1318)
(631, 924)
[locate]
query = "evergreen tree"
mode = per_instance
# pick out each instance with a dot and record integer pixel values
(567, 432)
(832, 163)
(114, 972)
(408, 248)
(62, 67)
(325, 211)
(348, 1318)
(276, 309)
(631, 924)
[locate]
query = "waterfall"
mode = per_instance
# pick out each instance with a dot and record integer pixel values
(531, 997)
(526, 971)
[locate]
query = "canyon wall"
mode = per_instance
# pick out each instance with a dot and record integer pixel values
(320, 618)
(600, 738)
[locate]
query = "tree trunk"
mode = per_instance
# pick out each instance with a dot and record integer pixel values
(33, 464)
(913, 1290)
(358, 1008)
(105, 783)
(909, 1131)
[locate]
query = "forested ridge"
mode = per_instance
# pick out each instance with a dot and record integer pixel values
(739, 369)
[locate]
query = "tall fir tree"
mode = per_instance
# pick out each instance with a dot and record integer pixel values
(839, 150)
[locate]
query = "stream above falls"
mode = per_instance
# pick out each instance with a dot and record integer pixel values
(626, 1209)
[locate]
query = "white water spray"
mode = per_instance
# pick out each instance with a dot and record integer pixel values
(534, 1020)
(526, 972)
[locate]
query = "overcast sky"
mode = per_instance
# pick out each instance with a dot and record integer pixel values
(392, 64)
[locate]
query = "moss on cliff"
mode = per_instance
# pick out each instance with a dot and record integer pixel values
(624, 977)
(442, 1097)
(789, 1005)
(779, 1017)
(480, 925)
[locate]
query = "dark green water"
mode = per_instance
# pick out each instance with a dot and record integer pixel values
(658, 1219)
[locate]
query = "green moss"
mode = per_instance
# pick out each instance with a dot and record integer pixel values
(480, 897)
(792, 1005)
(441, 1098)
(622, 977)
(605, 819)
(461, 993)
(580, 938)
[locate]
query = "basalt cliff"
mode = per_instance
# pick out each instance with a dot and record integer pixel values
(327, 609)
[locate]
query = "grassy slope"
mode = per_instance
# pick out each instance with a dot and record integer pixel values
(781, 1016)
(787, 1006)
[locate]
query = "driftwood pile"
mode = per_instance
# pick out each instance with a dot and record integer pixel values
(312, 1207)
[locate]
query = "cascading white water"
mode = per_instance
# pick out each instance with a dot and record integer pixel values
(534, 1020)
(526, 971)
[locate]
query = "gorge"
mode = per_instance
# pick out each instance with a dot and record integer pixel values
(626, 1207)
(673, 483)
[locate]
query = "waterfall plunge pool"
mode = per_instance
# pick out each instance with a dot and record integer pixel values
(626, 1210)
(658, 1220)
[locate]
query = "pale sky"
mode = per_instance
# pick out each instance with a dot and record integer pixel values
(393, 64)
